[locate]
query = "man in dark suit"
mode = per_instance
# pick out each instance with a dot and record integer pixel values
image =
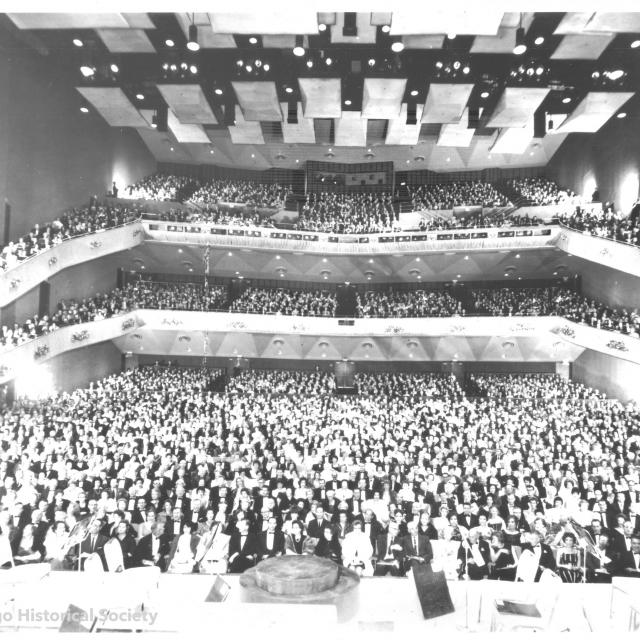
(466, 518)
(621, 539)
(416, 548)
(243, 548)
(543, 553)
(153, 549)
(474, 557)
(371, 526)
(319, 522)
(93, 543)
(271, 540)
(629, 561)
(389, 552)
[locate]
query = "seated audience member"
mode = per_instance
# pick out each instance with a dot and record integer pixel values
(297, 543)
(503, 564)
(243, 548)
(629, 561)
(357, 551)
(389, 549)
(569, 559)
(416, 548)
(541, 552)
(328, 545)
(474, 556)
(272, 540)
(154, 548)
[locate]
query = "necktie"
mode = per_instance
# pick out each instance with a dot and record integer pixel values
(93, 544)
(415, 543)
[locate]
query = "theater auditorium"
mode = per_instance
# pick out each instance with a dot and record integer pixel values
(320, 322)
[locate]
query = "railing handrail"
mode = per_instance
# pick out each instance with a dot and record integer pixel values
(593, 235)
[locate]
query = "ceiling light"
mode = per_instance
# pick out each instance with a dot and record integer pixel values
(253, 40)
(386, 28)
(635, 44)
(174, 67)
(114, 68)
(397, 46)
(309, 63)
(211, 151)
(539, 71)
(466, 69)
(372, 62)
(520, 47)
(249, 68)
(298, 50)
(79, 42)
(456, 65)
(169, 42)
(266, 67)
(539, 40)
(439, 65)
(193, 68)
(192, 43)
(86, 71)
(218, 92)
(414, 93)
(484, 94)
(184, 66)
(328, 62)
(289, 90)
(84, 109)
(139, 96)
(172, 149)
(348, 103)
(165, 66)
(253, 155)
(154, 121)
(322, 27)
(451, 36)
(566, 100)
(239, 63)
(258, 63)
(622, 114)
(616, 75)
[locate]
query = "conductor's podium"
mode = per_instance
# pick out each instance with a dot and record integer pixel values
(302, 580)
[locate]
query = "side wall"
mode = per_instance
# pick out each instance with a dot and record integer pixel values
(52, 156)
(608, 159)
(617, 378)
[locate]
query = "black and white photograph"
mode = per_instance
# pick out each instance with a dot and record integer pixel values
(320, 322)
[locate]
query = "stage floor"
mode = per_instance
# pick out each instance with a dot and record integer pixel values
(385, 606)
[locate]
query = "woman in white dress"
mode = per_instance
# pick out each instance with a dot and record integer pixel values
(183, 551)
(357, 551)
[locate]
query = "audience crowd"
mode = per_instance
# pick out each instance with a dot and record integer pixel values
(288, 302)
(152, 293)
(241, 192)
(448, 195)
(165, 466)
(162, 186)
(541, 191)
(477, 220)
(348, 213)
(605, 224)
(407, 304)
(75, 222)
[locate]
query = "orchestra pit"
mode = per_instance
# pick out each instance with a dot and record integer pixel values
(320, 316)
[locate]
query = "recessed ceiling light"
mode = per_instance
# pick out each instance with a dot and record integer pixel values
(78, 42)
(408, 161)
(616, 75)
(539, 40)
(484, 94)
(622, 114)
(372, 62)
(86, 71)
(348, 103)
(172, 149)
(309, 63)
(566, 100)
(297, 160)
(253, 155)
(114, 68)
(139, 96)
(218, 92)
(414, 93)
(193, 69)
(253, 40)
(267, 67)
(397, 46)
(635, 44)
(229, 254)
(84, 109)
(298, 51)
(169, 42)
(386, 28)
(289, 90)
(322, 27)
(328, 62)
(211, 151)
(249, 68)
(451, 36)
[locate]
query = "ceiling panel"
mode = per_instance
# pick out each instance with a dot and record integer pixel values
(599, 22)
(126, 40)
(186, 132)
(351, 130)
(503, 42)
(258, 101)
(113, 105)
(423, 42)
(582, 47)
(514, 139)
(278, 42)
(426, 18)
(188, 102)
(139, 20)
(321, 97)
(516, 106)
(382, 97)
(456, 135)
(272, 20)
(301, 133)
(245, 132)
(594, 110)
(446, 102)
(69, 20)
(401, 133)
